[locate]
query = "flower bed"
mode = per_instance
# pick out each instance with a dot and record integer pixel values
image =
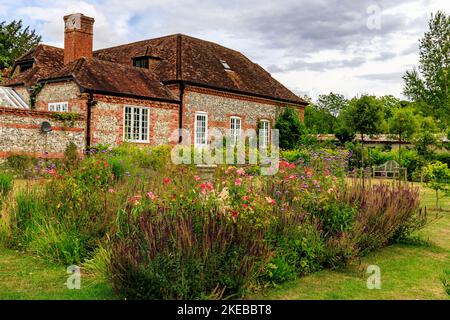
(160, 231)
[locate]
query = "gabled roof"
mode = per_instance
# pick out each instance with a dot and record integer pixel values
(198, 61)
(46, 58)
(180, 58)
(113, 78)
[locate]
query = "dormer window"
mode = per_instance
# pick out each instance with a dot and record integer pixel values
(141, 62)
(225, 65)
(25, 65)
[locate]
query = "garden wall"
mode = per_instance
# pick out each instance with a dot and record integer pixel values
(20, 133)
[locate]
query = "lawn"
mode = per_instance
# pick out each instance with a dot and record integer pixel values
(408, 271)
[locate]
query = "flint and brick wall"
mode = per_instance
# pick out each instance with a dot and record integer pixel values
(221, 106)
(107, 119)
(20, 133)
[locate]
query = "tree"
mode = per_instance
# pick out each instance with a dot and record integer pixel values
(291, 129)
(318, 121)
(15, 41)
(437, 175)
(332, 103)
(364, 117)
(425, 139)
(403, 125)
(430, 83)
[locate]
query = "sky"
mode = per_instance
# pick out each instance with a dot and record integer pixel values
(313, 47)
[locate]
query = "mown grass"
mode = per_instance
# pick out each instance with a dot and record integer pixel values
(408, 271)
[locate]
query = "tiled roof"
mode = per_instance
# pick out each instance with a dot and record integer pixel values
(109, 77)
(180, 57)
(198, 61)
(47, 59)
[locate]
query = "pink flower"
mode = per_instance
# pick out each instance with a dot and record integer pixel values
(151, 195)
(292, 177)
(246, 198)
(240, 171)
(291, 166)
(167, 180)
(238, 182)
(111, 190)
(206, 187)
(197, 178)
(229, 169)
(270, 200)
(135, 200)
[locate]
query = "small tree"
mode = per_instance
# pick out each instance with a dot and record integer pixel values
(403, 125)
(364, 116)
(290, 127)
(437, 175)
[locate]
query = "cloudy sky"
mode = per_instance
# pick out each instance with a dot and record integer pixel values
(313, 47)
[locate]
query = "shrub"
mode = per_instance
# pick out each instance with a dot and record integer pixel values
(71, 158)
(190, 255)
(386, 214)
(20, 163)
(291, 129)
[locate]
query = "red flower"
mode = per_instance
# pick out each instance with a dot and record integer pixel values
(238, 182)
(167, 180)
(234, 214)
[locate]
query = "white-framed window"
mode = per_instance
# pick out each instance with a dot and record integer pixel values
(264, 131)
(235, 129)
(136, 123)
(201, 129)
(58, 106)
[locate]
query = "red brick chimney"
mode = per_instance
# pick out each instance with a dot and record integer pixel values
(78, 37)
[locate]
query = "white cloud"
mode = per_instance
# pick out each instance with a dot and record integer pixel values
(296, 38)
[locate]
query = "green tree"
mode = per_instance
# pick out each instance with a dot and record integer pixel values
(429, 84)
(319, 121)
(437, 175)
(425, 139)
(291, 129)
(15, 40)
(364, 117)
(332, 103)
(403, 125)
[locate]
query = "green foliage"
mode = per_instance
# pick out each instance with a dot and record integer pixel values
(364, 115)
(72, 157)
(15, 41)
(290, 127)
(318, 121)
(437, 175)
(20, 163)
(402, 123)
(336, 217)
(430, 84)
(67, 118)
(6, 183)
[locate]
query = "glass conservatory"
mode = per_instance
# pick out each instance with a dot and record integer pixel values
(10, 98)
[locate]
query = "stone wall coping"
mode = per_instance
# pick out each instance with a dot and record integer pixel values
(32, 113)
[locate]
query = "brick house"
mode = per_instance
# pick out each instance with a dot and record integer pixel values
(140, 92)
